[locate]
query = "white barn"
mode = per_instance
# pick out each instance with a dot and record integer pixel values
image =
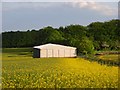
(53, 50)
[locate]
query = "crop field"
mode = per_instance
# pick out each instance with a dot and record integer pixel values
(20, 70)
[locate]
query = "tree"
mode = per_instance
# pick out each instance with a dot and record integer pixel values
(85, 46)
(49, 34)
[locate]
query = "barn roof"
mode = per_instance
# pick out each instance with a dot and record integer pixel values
(53, 46)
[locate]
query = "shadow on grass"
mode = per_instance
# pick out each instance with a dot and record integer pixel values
(25, 54)
(15, 52)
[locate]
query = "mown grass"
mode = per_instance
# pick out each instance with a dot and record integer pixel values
(23, 71)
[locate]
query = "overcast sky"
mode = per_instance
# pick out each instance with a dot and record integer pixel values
(36, 15)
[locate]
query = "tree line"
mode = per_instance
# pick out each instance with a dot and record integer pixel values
(87, 39)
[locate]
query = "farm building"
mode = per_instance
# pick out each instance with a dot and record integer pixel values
(53, 50)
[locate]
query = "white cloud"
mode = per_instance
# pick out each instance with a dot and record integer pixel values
(100, 7)
(96, 6)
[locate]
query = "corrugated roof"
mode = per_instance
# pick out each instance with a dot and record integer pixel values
(53, 46)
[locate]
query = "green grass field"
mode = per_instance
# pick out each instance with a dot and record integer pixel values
(20, 70)
(111, 57)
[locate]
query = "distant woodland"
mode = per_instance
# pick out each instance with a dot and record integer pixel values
(87, 39)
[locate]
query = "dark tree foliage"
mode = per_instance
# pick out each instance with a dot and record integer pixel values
(105, 32)
(85, 38)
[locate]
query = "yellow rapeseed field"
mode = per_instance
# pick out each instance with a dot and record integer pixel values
(20, 70)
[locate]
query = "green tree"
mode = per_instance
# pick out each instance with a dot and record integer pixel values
(49, 34)
(85, 46)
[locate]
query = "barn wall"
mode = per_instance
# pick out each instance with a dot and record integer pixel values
(55, 53)
(67, 53)
(43, 53)
(61, 53)
(73, 53)
(49, 53)
(46, 53)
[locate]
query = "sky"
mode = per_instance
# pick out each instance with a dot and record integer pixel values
(25, 16)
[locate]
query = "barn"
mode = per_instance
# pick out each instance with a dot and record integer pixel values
(53, 50)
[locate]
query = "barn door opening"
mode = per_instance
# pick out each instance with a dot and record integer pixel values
(36, 53)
